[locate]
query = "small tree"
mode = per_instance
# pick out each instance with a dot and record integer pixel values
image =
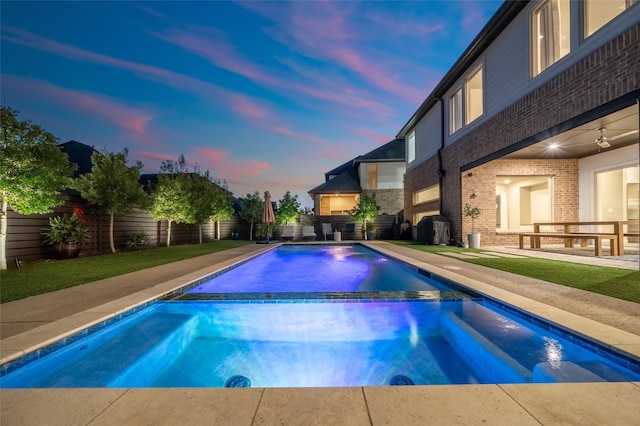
(288, 209)
(365, 210)
(251, 211)
(473, 213)
(33, 171)
(202, 194)
(170, 198)
(221, 207)
(112, 186)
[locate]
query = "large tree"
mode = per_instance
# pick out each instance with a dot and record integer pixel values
(33, 171)
(251, 211)
(112, 186)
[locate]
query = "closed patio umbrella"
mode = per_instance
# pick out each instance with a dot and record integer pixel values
(268, 216)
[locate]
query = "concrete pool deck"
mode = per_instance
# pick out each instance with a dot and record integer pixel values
(33, 322)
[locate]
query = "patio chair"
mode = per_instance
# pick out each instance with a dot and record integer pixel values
(349, 232)
(308, 233)
(327, 230)
(287, 233)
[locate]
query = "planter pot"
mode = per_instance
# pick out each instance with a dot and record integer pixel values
(474, 240)
(370, 235)
(236, 235)
(66, 250)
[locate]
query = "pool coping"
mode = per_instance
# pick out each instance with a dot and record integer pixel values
(76, 326)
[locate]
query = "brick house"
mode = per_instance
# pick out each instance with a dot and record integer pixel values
(536, 121)
(379, 172)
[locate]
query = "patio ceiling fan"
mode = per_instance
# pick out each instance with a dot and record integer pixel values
(602, 141)
(605, 142)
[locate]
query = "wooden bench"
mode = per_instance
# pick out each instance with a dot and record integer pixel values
(535, 237)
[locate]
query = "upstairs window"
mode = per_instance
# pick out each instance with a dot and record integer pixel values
(598, 13)
(474, 95)
(372, 176)
(411, 147)
(455, 112)
(550, 39)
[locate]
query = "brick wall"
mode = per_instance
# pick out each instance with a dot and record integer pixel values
(611, 71)
(390, 200)
(483, 180)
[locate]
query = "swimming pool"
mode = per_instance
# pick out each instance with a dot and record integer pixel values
(321, 339)
(319, 268)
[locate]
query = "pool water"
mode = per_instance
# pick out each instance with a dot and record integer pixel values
(319, 268)
(316, 344)
(316, 316)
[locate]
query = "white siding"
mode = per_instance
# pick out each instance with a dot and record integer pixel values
(390, 175)
(428, 133)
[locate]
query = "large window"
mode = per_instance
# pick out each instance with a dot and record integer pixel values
(474, 95)
(337, 204)
(550, 39)
(455, 112)
(522, 201)
(425, 195)
(597, 13)
(411, 147)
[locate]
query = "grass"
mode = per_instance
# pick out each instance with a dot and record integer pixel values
(619, 283)
(45, 276)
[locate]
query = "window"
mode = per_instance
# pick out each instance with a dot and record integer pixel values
(474, 95)
(455, 112)
(428, 194)
(598, 13)
(549, 34)
(372, 176)
(522, 201)
(336, 204)
(411, 147)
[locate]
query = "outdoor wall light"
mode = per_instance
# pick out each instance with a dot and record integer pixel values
(474, 194)
(470, 174)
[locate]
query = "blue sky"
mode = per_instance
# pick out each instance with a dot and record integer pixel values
(265, 95)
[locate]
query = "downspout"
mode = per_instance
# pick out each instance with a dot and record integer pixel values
(441, 171)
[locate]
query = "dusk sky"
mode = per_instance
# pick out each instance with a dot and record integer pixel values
(265, 95)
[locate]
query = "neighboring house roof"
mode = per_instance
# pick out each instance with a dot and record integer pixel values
(391, 151)
(346, 182)
(346, 179)
(79, 154)
(500, 20)
(338, 170)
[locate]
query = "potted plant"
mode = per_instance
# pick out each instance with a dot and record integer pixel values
(473, 213)
(371, 230)
(66, 233)
(366, 211)
(235, 233)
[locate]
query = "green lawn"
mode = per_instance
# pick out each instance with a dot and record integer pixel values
(620, 283)
(44, 276)
(41, 277)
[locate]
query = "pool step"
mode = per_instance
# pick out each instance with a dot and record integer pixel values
(490, 363)
(546, 372)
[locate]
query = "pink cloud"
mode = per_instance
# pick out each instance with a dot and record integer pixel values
(241, 104)
(374, 136)
(212, 44)
(131, 120)
(222, 165)
(155, 157)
